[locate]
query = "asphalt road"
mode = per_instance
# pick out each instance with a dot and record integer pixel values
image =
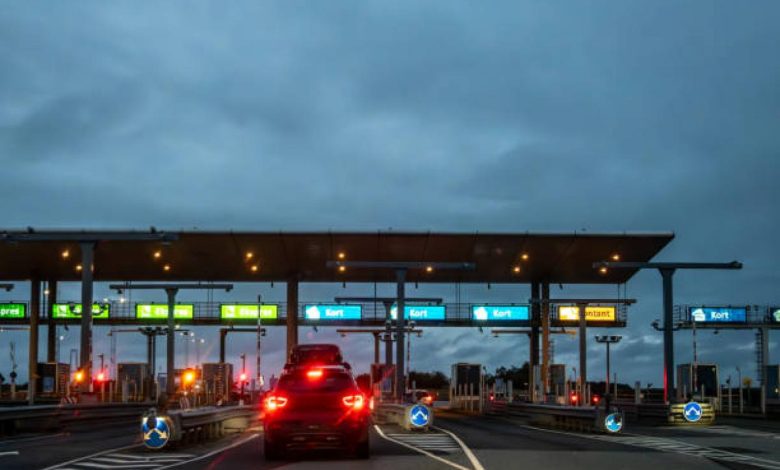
(460, 442)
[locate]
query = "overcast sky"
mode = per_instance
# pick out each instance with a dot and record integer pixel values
(511, 116)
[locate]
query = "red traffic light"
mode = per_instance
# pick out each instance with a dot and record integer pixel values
(101, 377)
(243, 377)
(596, 399)
(574, 398)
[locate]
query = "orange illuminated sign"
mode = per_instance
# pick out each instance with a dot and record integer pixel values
(592, 313)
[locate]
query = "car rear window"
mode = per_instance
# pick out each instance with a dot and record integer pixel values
(329, 382)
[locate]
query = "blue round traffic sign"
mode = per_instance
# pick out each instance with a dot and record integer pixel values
(692, 411)
(614, 422)
(419, 416)
(156, 431)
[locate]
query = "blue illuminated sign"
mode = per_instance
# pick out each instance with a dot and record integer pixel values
(692, 411)
(156, 432)
(419, 416)
(333, 312)
(499, 312)
(420, 312)
(718, 314)
(614, 422)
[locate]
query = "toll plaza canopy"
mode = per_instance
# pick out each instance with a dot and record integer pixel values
(154, 255)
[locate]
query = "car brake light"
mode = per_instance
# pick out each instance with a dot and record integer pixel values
(314, 374)
(371, 403)
(355, 402)
(273, 403)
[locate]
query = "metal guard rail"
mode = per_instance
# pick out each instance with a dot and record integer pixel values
(46, 417)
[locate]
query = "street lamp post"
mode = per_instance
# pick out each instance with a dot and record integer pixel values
(608, 340)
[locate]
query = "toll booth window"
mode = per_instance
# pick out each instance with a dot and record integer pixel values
(326, 383)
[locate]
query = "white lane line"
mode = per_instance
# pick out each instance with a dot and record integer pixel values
(214, 452)
(472, 458)
(417, 449)
(30, 439)
(10, 452)
(96, 454)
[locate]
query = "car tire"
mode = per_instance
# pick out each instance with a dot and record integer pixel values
(271, 451)
(363, 450)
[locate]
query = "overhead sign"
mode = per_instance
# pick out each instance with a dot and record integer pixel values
(718, 314)
(333, 312)
(592, 313)
(13, 310)
(419, 416)
(248, 311)
(500, 312)
(74, 310)
(692, 411)
(775, 315)
(420, 312)
(160, 311)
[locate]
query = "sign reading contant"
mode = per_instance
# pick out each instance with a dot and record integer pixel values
(160, 311)
(333, 312)
(13, 310)
(499, 312)
(420, 312)
(718, 314)
(592, 313)
(74, 310)
(248, 311)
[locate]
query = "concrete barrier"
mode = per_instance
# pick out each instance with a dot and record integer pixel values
(403, 415)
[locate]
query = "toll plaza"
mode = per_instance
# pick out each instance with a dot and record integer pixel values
(169, 261)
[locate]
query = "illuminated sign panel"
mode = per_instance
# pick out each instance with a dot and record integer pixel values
(333, 312)
(248, 311)
(160, 311)
(775, 315)
(500, 312)
(74, 310)
(592, 313)
(13, 310)
(420, 312)
(718, 314)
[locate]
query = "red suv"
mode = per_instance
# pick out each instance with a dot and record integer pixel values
(316, 407)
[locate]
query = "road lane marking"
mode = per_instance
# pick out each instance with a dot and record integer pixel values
(417, 449)
(30, 439)
(96, 454)
(214, 452)
(439, 442)
(10, 452)
(669, 445)
(472, 458)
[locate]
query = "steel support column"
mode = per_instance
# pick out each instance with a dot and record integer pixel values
(292, 315)
(51, 334)
(170, 353)
(35, 311)
(400, 327)
(668, 298)
(87, 273)
(545, 339)
(763, 372)
(376, 347)
(222, 336)
(583, 352)
(388, 334)
(533, 339)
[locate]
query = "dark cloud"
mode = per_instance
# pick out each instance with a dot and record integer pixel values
(443, 116)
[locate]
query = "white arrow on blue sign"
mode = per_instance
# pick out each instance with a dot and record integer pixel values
(419, 416)
(692, 411)
(613, 422)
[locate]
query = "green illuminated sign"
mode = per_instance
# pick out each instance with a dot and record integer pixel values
(74, 310)
(13, 310)
(160, 311)
(248, 311)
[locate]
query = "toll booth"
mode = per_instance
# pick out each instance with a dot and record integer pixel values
(467, 386)
(217, 380)
(133, 381)
(773, 382)
(700, 382)
(558, 386)
(53, 379)
(383, 380)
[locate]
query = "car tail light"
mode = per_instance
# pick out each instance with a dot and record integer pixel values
(273, 403)
(314, 374)
(371, 403)
(356, 402)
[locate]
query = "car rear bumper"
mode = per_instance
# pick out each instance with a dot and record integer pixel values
(302, 435)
